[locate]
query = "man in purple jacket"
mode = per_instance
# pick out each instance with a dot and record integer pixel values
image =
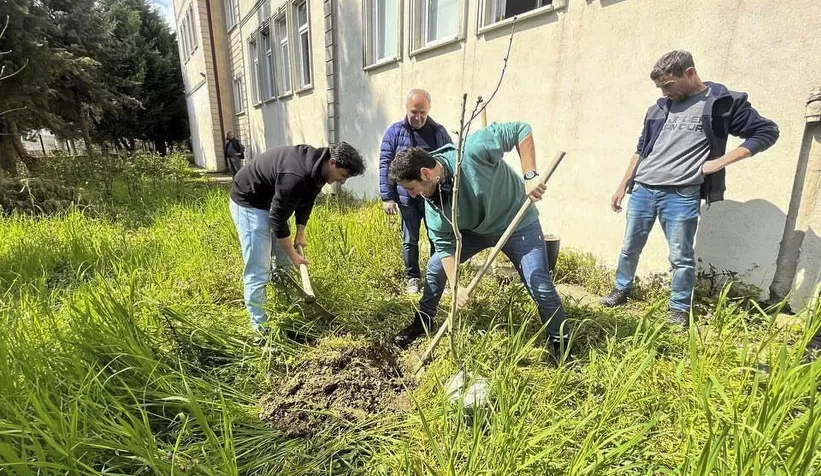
(680, 159)
(417, 129)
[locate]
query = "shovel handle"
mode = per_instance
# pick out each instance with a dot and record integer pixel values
(306, 280)
(495, 251)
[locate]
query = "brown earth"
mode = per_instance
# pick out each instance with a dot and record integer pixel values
(347, 380)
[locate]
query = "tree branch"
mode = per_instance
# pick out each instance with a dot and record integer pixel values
(12, 110)
(14, 73)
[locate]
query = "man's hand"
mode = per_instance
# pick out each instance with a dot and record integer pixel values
(535, 189)
(299, 240)
(711, 166)
(462, 298)
(390, 207)
(298, 260)
(615, 201)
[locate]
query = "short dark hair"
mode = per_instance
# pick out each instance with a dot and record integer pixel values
(348, 158)
(408, 163)
(673, 63)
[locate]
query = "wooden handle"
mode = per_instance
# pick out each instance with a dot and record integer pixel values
(495, 251)
(306, 280)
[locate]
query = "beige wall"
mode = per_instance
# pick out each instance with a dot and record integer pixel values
(579, 76)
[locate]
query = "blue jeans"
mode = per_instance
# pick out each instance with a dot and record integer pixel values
(256, 242)
(412, 216)
(526, 249)
(677, 209)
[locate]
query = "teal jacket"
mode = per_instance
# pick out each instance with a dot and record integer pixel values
(490, 191)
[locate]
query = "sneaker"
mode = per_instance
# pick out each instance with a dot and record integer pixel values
(617, 297)
(813, 350)
(413, 286)
(419, 327)
(677, 317)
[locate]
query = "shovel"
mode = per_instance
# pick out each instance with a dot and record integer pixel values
(307, 290)
(495, 251)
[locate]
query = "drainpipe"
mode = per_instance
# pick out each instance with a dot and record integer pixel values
(331, 77)
(804, 203)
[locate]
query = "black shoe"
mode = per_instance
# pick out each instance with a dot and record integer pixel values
(676, 317)
(617, 297)
(813, 350)
(419, 327)
(561, 351)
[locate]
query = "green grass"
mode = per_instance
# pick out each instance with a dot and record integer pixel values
(125, 349)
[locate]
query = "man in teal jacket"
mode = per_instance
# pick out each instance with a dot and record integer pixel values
(490, 195)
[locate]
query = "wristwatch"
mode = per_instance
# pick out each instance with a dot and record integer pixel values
(531, 174)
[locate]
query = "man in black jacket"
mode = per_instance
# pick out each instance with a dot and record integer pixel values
(680, 160)
(265, 193)
(234, 153)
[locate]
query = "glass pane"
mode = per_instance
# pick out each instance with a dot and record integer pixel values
(306, 58)
(517, 7)
(385, 29)
(286, 77)
(271, 89)
(442, 19)
(283, 33)
(302, 14)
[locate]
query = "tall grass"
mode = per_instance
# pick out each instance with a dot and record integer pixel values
(125, 349)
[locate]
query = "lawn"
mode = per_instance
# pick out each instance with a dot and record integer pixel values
(125, 349)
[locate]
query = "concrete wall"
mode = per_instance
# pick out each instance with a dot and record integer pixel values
(579, 74)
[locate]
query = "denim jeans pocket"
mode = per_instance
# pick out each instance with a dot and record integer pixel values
(689, 191)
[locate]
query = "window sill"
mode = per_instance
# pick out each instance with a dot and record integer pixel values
(435, 44)
(257, 105)
(304, 89)
(241, 113)
(524, 16)
(381, 63)
(232, 28)
(285, 95)
(269, 100)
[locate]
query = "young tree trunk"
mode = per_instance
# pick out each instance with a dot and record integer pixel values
(8, 157)
(86, 135)
(160, 148)
(31, 162)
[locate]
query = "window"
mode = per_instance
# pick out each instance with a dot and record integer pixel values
(440, 20)
(269, 76)
(256, 73)
(239, 104)
(381, 38)
(186, 34)
(230, 14)
(284, 61)
(192, 30)
(304, 43)
(498, 10)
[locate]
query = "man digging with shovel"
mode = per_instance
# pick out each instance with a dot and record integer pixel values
(490, 195)
(279, 183)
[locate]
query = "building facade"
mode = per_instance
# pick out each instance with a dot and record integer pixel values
(280, 72)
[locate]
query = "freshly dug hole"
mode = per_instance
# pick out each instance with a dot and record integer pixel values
(338, 379)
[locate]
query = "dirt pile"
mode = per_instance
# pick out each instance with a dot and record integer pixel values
(348, 380)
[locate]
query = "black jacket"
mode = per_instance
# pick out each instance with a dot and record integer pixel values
(285, 180)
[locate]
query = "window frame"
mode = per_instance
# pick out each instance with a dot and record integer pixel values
(486, 6)
(239, 102)
(419, 43)
(300, 53)
(284, 60)
(370, 37)
(230, 14)
(269, 63)
(256, 77)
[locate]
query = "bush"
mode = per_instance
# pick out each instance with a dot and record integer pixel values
(36, 196)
